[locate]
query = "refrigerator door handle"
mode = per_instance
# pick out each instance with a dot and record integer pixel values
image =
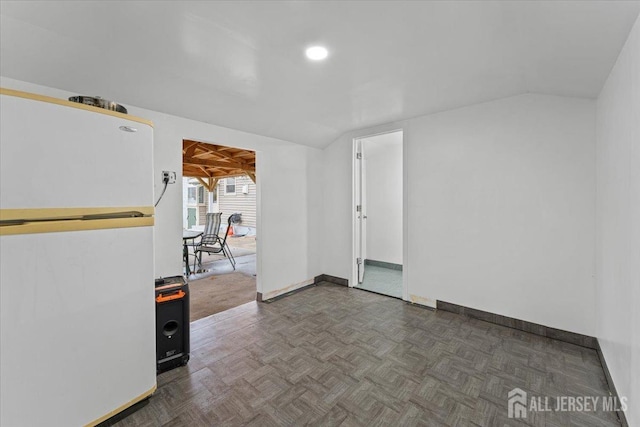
(127, 214)
(72, 219)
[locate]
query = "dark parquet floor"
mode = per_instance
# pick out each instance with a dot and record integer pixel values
(334, 356)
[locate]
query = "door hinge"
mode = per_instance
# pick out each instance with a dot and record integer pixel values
(358, 261)
(359, 156)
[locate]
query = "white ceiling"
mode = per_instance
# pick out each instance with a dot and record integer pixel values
(242, 64)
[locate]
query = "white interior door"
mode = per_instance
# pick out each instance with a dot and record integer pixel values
(361, 223)
(378, 202)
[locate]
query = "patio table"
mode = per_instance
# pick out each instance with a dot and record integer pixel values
(186, 236)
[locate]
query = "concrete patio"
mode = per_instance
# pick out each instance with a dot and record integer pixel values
(242, 248)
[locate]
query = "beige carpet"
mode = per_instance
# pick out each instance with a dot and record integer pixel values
(219, 293)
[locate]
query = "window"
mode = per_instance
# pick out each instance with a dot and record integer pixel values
(191, 195)
(230, 186)
(201, 195)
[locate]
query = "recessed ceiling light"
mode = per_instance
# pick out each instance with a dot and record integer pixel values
(317, 53)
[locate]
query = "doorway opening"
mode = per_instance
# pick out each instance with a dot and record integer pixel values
(219, 226)
(378, 213)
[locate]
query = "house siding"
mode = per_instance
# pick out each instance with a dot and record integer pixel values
(202, 211)
(240, 203)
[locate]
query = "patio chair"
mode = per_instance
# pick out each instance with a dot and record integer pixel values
(211, 242)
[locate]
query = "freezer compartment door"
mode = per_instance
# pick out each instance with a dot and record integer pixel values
(77, 324)
(54, 156)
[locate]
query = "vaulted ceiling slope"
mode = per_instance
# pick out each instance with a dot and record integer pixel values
(242, 64)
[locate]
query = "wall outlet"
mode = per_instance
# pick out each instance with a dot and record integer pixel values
(168, 175)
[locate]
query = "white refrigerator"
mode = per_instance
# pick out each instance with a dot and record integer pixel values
(77, 313)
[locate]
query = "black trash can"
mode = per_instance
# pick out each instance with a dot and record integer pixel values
(172, 323)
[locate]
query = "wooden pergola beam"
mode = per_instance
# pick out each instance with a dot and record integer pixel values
(208, 163)
(205, 174)
(213, 150)
(213, 185)
(209, 184)
(189, 149)
(201, 181)
(217, 163)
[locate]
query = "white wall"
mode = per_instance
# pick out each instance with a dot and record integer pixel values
(382, 155)
(501, 208)
(618, 223)
(287, 242)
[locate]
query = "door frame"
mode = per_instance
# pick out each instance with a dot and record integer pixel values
(360, 196)
(354, 214)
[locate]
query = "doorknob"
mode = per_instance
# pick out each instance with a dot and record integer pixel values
(364, 217)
